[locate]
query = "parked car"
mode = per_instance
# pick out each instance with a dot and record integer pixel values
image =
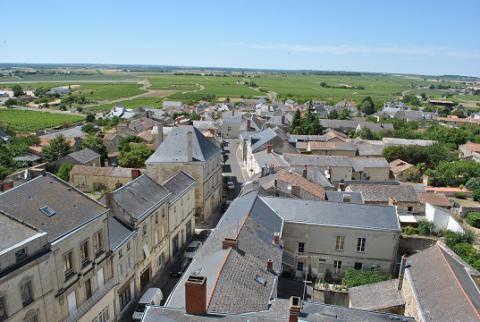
(230, 183)
(226, 204)
(192, 249)
(179, 267)
(153, 296)
(203, 235)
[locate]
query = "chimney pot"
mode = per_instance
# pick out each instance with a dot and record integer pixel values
(229, 243)
(269, 148)
(276, 238)
(270, 265)
(294, 309)
(136, 173)
(108, 199)
(196, 295)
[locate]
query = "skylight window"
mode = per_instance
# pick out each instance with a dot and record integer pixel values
(49, 212)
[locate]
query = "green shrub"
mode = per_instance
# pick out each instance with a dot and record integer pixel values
(354, 277)
(425, 227)
(466, 252)
(409, 230)
(452, 238)
(473, 219)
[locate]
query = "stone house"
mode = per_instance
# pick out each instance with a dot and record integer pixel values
(142, 205)
(322, 236)
(83, 157)
(122, 241)
(327, 148)
(80, 273)
(335, 168)
(181, 211)
(372, 169)
(25, 283)
(188, 150)
(89, 179)
(399, 169)
(403, 197)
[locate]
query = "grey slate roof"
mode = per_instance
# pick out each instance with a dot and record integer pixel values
(84, 155)
(326, 213)
(174, 147)
(72, 208)
(178, 184)
(260, 139)
(230, 273)
(13, 232)
(376, 296)
(338, 196)
(277, 312)
(316, 175)
(139, 196)
(73, 132)
(443, 286)
(359, 164)
(117, 233)
(317, 160)
(382, 192)
(366, 149)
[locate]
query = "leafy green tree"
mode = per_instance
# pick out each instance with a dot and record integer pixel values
(473, 219)
(452, 238)
(10, 102)
(344, 114)
(95, 143)
(135, 155)
(90, 118)
(333, 115)
(425, 227)
(411, 99)
(56, 149)
(17, 90)
(64, 171)
(367, 106)
(455, 173)
(473, 184)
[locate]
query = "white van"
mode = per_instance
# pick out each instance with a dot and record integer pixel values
(153, 296)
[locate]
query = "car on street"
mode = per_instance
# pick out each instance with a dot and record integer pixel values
(179, 267)
(153, 296)
(226, 204)
(203, 235)
(192, 249)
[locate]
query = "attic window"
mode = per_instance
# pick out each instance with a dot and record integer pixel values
(260, 280)
(49, 212)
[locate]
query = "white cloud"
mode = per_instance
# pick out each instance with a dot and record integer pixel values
(347, 49)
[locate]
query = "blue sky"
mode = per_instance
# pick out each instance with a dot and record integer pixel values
(429, 37)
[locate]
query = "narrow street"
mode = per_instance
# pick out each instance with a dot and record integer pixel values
(231, 168)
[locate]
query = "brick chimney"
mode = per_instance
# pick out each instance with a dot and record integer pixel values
(276, 238)
(341, 186)
(196, 295)
(136, 173)
(269, 148)
(294, 309)
(229, 243)
(392, 201)
(7, 185)
(270, 265)
(189, 146)
(108, 199)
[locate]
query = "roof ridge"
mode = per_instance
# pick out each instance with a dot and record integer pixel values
(458, 281)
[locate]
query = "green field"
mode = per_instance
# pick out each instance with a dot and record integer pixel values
(155, 102)
(92, 91)
(26, 121)
(192, 87)
(108, 91)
